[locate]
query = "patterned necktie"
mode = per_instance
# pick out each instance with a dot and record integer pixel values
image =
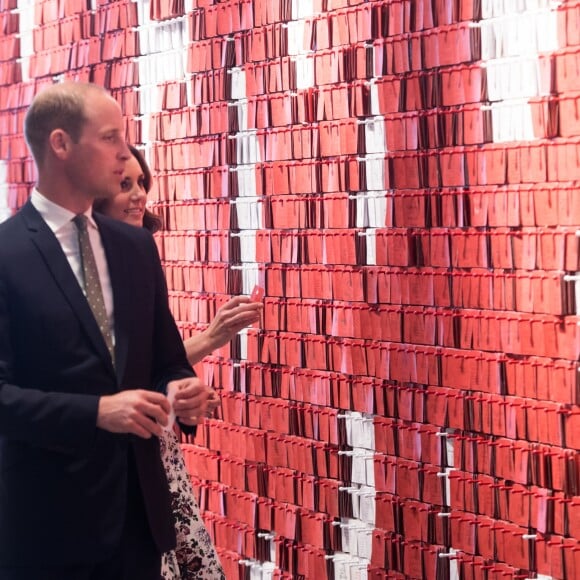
(92, 283)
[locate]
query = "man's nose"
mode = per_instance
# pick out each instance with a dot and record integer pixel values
(125, 152)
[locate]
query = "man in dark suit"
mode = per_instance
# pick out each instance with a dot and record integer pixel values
(83, 493)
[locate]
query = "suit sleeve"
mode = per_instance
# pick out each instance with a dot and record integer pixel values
(170, 360)
(63, 422)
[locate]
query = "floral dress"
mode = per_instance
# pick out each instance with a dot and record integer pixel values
(194, 557)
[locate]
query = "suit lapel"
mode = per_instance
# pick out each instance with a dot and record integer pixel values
(119, 266)
(48, 246)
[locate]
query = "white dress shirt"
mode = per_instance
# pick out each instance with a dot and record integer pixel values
(59, 220)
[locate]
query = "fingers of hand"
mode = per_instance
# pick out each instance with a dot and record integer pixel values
(148, 412)
(145, 426)
(194, 389)
(152, 398)
(157, 413)
(235, 301)
(190, 421)
(195, 406)
(240, 320)
(251, 311)
(136, 411)
(248, 308)
(183, 384)
(193, 417)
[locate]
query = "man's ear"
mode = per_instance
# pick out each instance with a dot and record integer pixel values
(59, 142)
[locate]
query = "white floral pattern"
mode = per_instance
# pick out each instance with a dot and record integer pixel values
(194, 557)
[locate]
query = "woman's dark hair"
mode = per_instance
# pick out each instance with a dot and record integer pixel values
(151, 221)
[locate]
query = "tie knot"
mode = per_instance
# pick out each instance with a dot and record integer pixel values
(80, 222)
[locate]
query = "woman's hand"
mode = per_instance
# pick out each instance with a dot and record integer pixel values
(237, 313)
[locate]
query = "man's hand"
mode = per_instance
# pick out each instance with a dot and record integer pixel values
(191, 399)
(142, 413)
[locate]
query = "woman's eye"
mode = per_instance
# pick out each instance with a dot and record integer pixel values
(125, 185)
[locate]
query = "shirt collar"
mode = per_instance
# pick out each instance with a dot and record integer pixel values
(56, 216)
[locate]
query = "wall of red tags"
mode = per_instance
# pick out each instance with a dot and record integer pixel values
(401, 178)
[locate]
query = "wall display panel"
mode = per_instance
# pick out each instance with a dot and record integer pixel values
(401, 177)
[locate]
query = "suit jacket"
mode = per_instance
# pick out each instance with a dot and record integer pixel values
(63, 480)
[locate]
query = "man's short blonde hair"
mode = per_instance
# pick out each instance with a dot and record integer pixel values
(60, 106)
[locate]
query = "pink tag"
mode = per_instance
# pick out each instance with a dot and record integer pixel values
(257, 294)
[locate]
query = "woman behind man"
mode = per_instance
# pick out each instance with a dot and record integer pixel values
(194, 556)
